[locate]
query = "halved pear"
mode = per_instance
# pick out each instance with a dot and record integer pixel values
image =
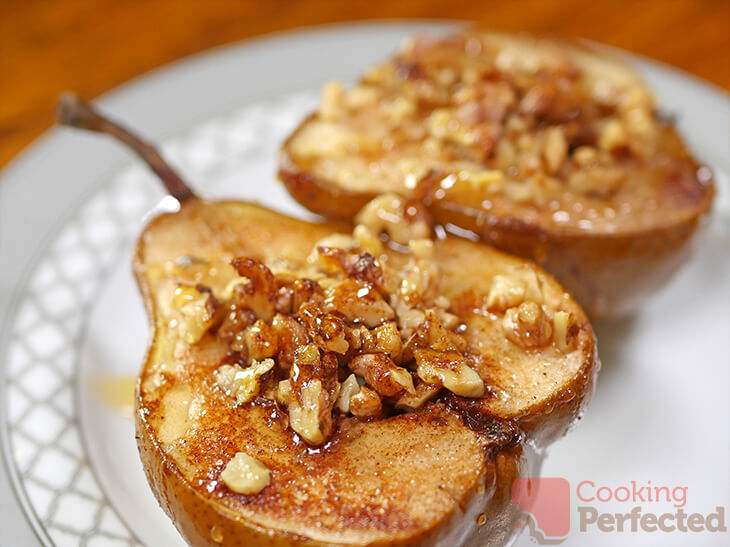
(550, 150)
(416, 478)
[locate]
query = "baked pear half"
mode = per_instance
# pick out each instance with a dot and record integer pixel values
(549, 150)
(324, 384)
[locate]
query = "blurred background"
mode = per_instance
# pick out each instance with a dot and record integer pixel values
(91, 46)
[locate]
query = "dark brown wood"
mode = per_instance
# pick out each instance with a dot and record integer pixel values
(91, 46)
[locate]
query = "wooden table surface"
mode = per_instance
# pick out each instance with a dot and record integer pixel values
(91, 46)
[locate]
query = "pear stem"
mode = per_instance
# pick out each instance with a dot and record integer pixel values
(75, 112)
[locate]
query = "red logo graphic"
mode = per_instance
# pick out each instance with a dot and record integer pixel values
(545, 506)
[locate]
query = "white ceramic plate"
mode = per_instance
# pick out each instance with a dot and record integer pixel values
(72, 324)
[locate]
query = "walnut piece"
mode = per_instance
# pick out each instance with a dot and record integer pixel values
(556, 149)
(362, 267)
(261, 340)
(196, 309)
(383, 339)
(242, 383)
(284, 393)
(402, 220)
(245, 475)
(349, 388)
(449, 369)
(382, 374)
(413, 401)
(505, 292)
(326, 329)
(527, 325)
(290, 335)
(358, 302)
(562, 322)
(314, 387)
(306, 413)
(366, 404)
(360, 96)
(258, 294)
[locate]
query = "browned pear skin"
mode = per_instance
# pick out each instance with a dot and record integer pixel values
(421, 478)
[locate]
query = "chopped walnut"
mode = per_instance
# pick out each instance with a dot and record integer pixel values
(508, 291)
(562, 326)
(284, 393)
(292, 293)
(314, 387)
(259, 293)
(413, 401)
(326, 329)
(362, 267)
(448, 320)
(613, 135)
(400, 108)
(348, 389)
(438, 123)
(432, 334)
(402, 220)
(482, 179)
(409, 318)
(245, 474)
(533, 290)
(366, 404)
(358, 302)
(360, 96)
(585, 155)
(449, 369)
(556, 149)
(598, 180)
(383, 339)
(309, 414)
(382, 374)
(344, 242)
(505, 292)
(242, 383)
(442, 302)
(640, 123)
(261, 340)
(290, 335)
(419, 281)
(527, 325)
(421, 248)
(196, 308)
